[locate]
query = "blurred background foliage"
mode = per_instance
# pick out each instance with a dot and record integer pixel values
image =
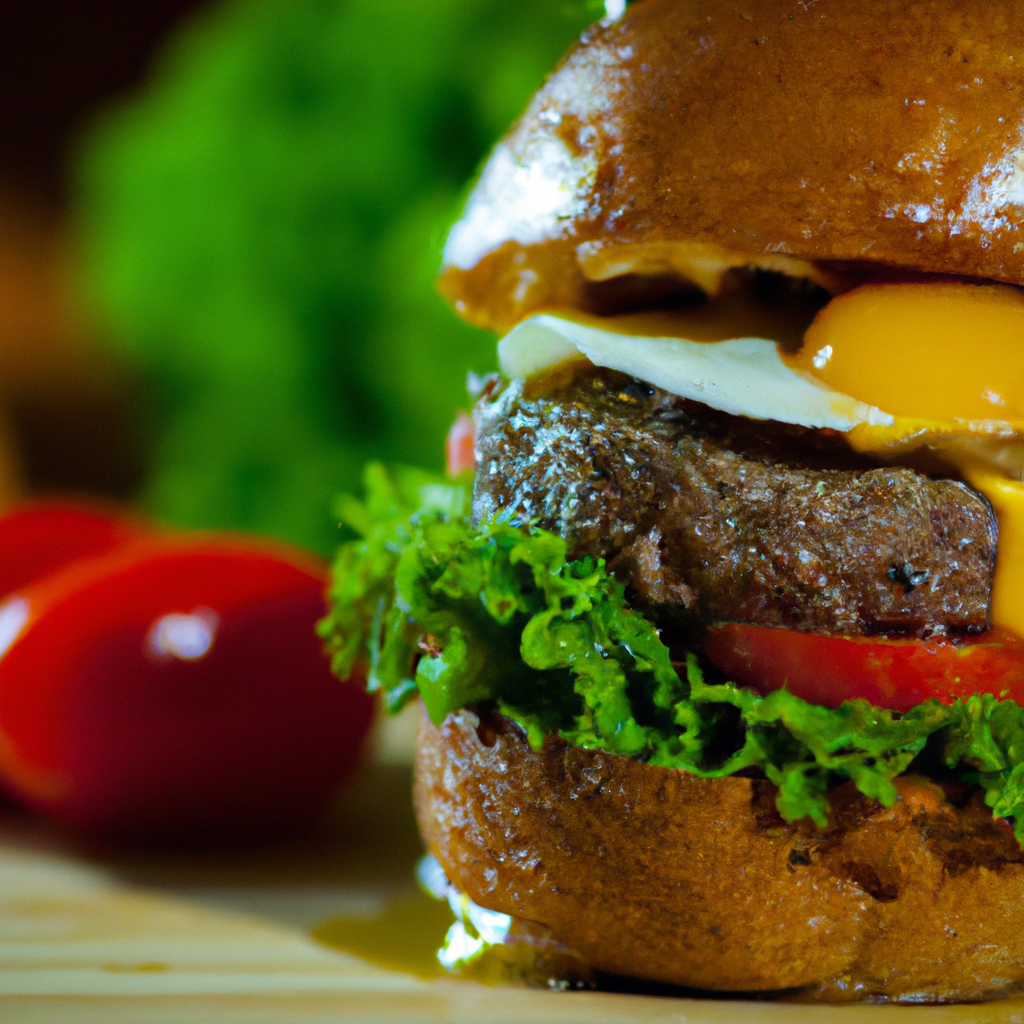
(261, 226)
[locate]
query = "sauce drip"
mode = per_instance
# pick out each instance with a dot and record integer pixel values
(405, 936)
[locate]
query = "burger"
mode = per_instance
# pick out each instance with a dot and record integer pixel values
(720, 651)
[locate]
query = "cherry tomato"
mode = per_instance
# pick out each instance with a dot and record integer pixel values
(894, 674)
(43, 536)
(459, 446)
(175, 690)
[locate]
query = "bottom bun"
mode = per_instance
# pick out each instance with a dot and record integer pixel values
(661, 875)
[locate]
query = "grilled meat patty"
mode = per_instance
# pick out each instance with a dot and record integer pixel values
(729, 519)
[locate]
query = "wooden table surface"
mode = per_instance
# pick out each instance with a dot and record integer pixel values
(99, 936)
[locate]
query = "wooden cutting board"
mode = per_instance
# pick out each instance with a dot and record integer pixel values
(91, 935)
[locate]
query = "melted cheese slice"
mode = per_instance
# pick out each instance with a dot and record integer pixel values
(1007, 497)
(896, 367)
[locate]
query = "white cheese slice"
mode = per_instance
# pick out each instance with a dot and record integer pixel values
(743, 376)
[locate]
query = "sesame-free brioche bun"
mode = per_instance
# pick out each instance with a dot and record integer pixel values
(812, 137)
(662, 875)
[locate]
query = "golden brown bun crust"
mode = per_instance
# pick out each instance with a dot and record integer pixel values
(662, 875)
(794, 131)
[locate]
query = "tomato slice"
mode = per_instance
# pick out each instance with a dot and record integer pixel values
(459, 447)
(894, 674)
(175, 690)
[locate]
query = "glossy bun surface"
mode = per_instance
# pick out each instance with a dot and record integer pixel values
(662, 875)
(807, 136)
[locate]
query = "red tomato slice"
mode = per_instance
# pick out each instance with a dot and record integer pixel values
(459, 447)
(894, 674)
(44, 536)
(175, 690)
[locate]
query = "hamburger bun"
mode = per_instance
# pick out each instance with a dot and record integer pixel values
(821, 139)
(659, 874)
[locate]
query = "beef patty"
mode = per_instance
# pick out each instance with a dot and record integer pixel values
(730, 519)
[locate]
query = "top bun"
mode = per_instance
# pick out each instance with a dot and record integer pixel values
(811, 137)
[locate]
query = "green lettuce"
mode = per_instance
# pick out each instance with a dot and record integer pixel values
(465, 613)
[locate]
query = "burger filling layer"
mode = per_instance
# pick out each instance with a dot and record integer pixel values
(723, 518)
(429, 600)
(744, 583)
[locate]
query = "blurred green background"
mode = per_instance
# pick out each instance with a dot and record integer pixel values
(259, 229)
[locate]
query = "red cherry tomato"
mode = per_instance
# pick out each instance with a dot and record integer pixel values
(44, 536)
(894, 674)
(175, 690)
(459, 447)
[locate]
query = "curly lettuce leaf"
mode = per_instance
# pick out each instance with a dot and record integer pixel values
(463, 613)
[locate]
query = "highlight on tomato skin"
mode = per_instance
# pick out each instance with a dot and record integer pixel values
(174, 691)
(897, 674)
